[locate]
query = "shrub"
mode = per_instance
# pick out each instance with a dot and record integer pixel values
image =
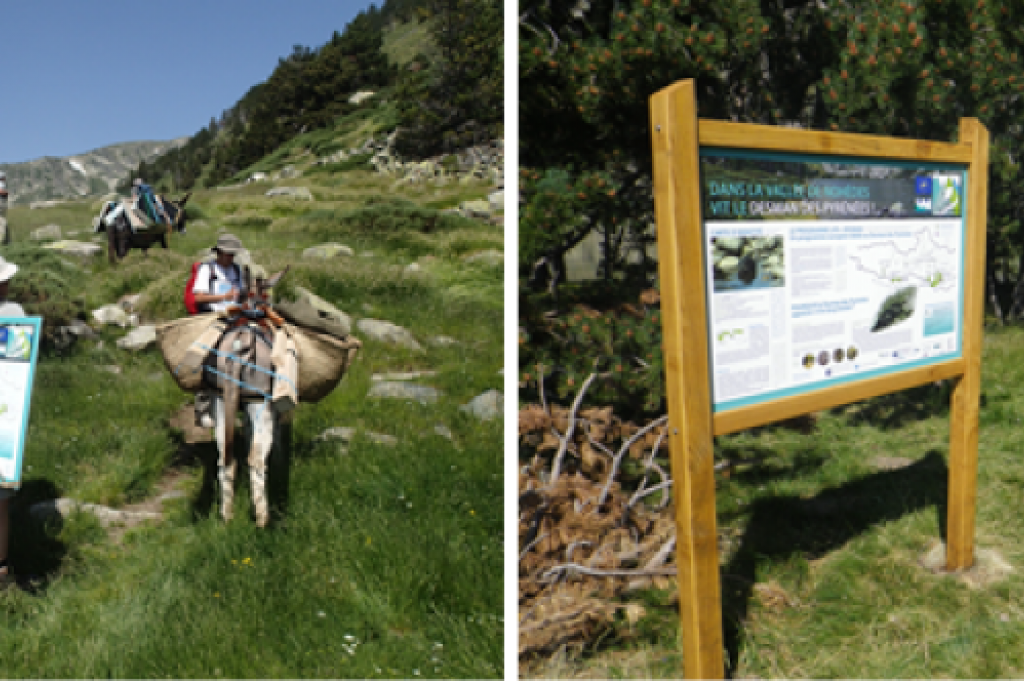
(380, 219)
(620, 341)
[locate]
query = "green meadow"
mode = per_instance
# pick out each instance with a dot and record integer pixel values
(823, 539)
(380, 561)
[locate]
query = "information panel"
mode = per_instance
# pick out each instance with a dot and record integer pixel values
(19, 348)
(825, 270)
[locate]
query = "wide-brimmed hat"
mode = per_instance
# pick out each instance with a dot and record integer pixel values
(7, 270)
(228, 243)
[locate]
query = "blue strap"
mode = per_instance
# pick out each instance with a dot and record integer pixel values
(240, 383)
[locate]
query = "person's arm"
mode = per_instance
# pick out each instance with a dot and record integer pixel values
(201, 288)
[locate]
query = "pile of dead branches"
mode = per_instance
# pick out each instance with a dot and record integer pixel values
(595, 521)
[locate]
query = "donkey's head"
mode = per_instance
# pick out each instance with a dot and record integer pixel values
(176, 212)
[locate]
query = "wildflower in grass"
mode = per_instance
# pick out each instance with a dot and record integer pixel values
(216, 595)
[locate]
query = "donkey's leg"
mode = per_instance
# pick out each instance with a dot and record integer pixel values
(261, 418)
(225, 474)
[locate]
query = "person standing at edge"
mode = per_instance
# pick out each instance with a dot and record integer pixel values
(5, 234)
(8, 309)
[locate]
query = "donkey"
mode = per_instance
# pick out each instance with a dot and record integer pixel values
(121, 238)
(244, 374)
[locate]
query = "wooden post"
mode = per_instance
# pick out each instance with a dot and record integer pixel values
(688, 389)
(963, 414)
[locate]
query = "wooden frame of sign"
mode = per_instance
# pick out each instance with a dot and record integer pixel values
(677, 136)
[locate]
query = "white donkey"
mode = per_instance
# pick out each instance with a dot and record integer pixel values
(244, 374)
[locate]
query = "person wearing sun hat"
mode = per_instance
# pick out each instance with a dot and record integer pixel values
(217, 284)
(8, 309)
(216, 287)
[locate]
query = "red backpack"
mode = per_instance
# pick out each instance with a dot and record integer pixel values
(190, 297)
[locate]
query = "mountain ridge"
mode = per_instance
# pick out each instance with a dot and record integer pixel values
(96, 171)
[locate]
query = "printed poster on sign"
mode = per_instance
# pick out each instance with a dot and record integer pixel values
(821, 271)
(19, 349)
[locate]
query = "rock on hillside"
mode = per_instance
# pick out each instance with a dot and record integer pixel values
(92, 173)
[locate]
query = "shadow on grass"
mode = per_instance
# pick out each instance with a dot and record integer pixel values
(893, 411)
(753, 464)
(35, 555)
(782, 526)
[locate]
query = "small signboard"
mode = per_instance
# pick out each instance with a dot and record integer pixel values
(19, 349)
(825, 270)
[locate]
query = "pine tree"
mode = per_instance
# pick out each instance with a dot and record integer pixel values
(459, 101)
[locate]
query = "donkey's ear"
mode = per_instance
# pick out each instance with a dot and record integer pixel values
(275, 278)
(181, 204)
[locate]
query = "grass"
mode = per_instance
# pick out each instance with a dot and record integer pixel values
(380, 562)
(821, 549)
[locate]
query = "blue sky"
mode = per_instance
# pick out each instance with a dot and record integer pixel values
(78, 75)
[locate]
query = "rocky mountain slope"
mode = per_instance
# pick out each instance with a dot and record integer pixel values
(94, 172)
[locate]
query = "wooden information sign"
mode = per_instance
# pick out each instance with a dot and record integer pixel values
(802, 270)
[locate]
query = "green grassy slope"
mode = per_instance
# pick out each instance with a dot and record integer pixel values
(823, 537)
(381, 562)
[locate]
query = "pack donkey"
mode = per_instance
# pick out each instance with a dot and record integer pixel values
(120, 235)
(243, 372)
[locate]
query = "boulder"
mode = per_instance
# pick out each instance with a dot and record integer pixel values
(337, 434)
(475, 208)
(361, 96)
(486, 406)
(139, 338)
(488, 257)
(129, 302)
(62, 507)
(388, 332)
(84, 250)
(295, 192)
(442, 340)
(401, 376)
(328, 251)
(47, 232)
(79, 328)
(111, 314)
(382, 439)
(496, 200)
(404, 390)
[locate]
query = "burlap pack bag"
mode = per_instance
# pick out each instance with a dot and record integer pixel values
(323, 360)
(310, 312)
(185, 344)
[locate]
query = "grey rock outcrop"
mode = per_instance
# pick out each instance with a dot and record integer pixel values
(337, 434)
(328, 251)
(404, 390)
(84, 250)
(47, 232)
(388, 332)
(487, 406)
(139, 338)
(296, 192)
(487, 257)
(111, 314)
(62, 507)
(401, 376)
(382, 439)
(497, 200)
(475, 208)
